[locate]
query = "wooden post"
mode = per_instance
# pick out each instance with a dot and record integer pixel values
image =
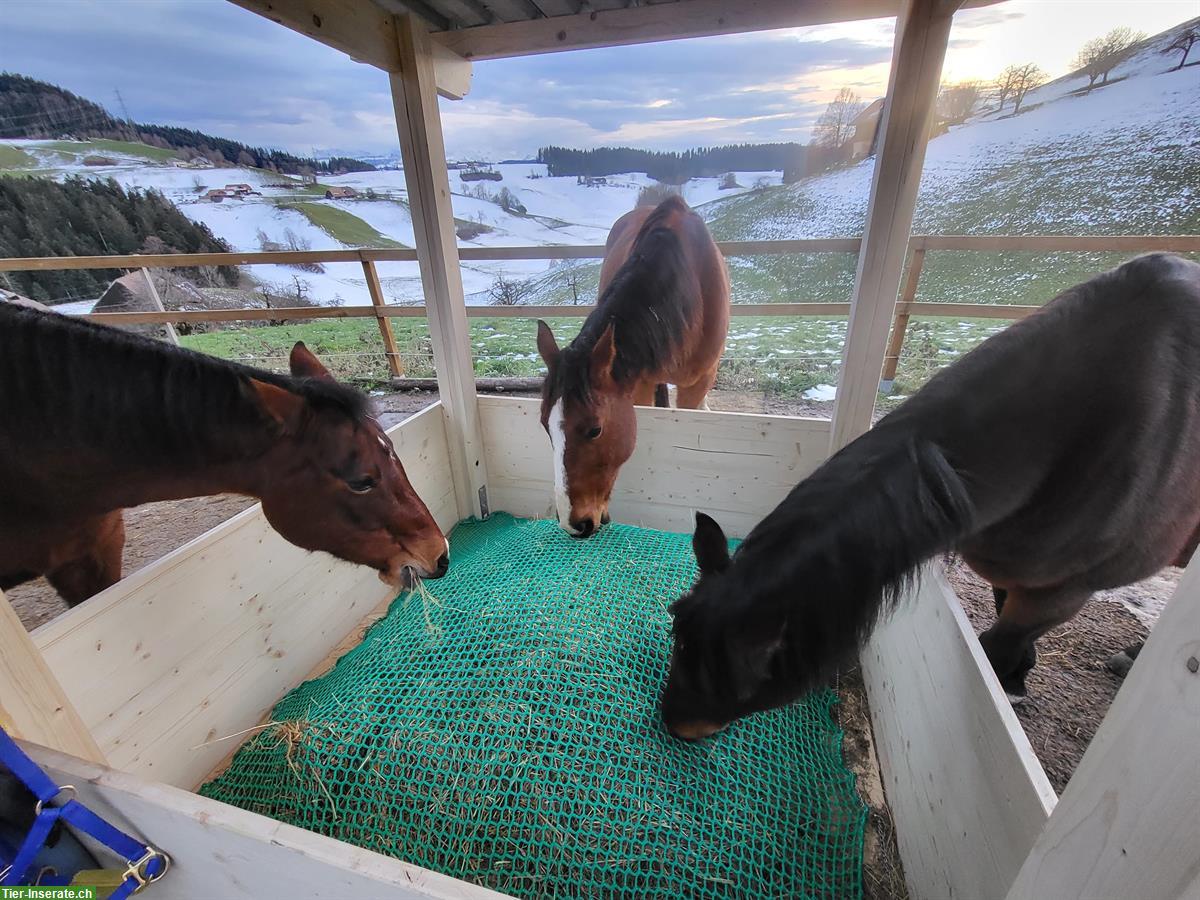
(1128, 823)
(414, 94)
(156, 300)
(922, 32)
(33, 706)
(896, 344)
(395, 366)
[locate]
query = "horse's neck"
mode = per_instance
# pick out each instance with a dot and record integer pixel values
(860, 525)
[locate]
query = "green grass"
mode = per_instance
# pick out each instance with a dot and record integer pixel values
(14, 157)
(781, 355)
(99, 146)
(341, 225)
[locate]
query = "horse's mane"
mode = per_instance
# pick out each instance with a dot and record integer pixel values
(840, 550)
(647, 302)
(66, 380)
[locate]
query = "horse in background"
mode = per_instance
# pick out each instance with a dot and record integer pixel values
(662, 318)
(1059, 457)
(94, 420)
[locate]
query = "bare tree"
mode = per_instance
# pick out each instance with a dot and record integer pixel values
(1027, 77)
(835, 126)
(1183, 44)
(1101, 55)
(507, 292)
(1003, 87)
(956, 102)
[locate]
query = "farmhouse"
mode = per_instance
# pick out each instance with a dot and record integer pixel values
(238, 189)
(340, 193)
(215, 195)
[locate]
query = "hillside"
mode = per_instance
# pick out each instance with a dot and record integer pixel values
(34, 109)
(1123, 158)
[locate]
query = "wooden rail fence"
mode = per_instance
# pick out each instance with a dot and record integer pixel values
(907, 305)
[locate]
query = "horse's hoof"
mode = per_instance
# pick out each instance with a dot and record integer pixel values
(1119, 664)
(1017, 699)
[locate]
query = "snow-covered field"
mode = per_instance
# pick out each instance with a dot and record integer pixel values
(1121, 159)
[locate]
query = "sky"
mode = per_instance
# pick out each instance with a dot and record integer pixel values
(209, 65)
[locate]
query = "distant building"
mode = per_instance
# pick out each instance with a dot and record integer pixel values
(340, 193)
(216, 195)
(238, 189)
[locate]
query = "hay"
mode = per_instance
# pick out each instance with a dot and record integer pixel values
(500, 725)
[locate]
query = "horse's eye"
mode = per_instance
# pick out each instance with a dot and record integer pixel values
(593, 432)
(361, 485)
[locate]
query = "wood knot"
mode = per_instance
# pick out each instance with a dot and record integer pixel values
(316, 20)
(1193, 665)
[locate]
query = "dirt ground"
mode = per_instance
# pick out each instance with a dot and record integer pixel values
(1070, 690)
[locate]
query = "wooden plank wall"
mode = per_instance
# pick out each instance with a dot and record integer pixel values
(734, 466)
(967, 792)
(202, 643)
(220, 851)
(1127, 825)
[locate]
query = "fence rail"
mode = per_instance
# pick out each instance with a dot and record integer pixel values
(906, 307)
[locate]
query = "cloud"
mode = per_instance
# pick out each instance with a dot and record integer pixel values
(220, 69)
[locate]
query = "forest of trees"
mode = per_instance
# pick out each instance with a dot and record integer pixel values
(670, 167)
(34, 109)
(90, 217)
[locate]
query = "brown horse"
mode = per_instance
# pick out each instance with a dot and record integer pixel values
(1060, 457)
(661, 318)
(94, 420)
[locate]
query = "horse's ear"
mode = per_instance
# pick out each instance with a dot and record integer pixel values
(278, 404)
(603, 355)
(547, 346)
(709, 545)
(304, 364)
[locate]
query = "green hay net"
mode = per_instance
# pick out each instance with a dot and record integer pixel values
(503, 728)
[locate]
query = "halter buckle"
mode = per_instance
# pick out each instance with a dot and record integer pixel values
(137, 870)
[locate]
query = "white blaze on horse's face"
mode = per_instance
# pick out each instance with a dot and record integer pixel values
(558, 444)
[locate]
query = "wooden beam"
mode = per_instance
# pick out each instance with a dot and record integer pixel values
(900, 325)
(385, 324)
(363, 31)
(963, 784)
(156, 302)
(423, 150)
(655, 22)
(1127, 823)
(33, 705)
(921, 38)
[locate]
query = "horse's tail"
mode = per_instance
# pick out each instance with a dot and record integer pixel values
(662, 397)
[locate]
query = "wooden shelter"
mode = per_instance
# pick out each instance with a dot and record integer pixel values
(128, 696)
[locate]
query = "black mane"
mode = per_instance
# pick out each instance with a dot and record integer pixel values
(649, 303)
(835, 555)
(67, 380)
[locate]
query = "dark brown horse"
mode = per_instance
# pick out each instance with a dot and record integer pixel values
(94, 420)
(661, 318)
(1060, 457)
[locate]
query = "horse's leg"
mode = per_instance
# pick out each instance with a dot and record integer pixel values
(98, 568)
(645, 394)
(1026, 614)
(693, 396)
(662, 396)
(998, 595)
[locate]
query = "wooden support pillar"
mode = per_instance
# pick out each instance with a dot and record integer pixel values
(922, 32)
(900, 327)
(395, 366)
(33, 706)
(414, 94)
(1128, 823)
(156, 300)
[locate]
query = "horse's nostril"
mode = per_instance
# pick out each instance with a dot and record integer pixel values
(443, 564)
(583, 527)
